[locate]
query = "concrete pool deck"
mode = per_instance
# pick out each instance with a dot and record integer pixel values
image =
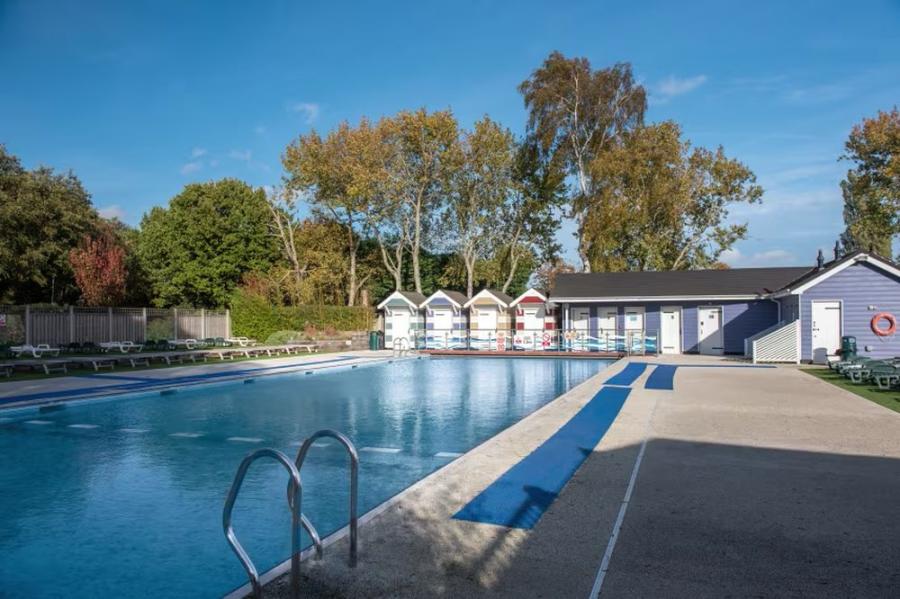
(80, 385)
(744, 482)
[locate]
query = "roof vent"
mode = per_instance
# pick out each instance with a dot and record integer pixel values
(837, 250)
(820, 260)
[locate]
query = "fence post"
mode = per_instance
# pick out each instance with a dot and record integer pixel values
(144, 319)
(71, 324)
(27, 324)
(203, 323)
(227, 323)
(175, 323)
(110, 322)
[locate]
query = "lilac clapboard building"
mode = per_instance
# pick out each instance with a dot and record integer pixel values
(779, 314)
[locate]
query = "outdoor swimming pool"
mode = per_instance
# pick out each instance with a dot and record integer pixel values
(124, 497)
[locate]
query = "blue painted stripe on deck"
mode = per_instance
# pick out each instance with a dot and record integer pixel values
(628, 375)
(150, 384)
(662, 377)
(523, 493)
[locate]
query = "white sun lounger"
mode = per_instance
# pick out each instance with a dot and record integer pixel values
(121, 346)
(242, 341)
(35, 350)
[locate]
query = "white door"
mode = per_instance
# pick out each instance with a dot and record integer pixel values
(581, 318)
(826, 330)
(711, 337)
(400, 324)
(533, 319)
(487, 318)
(670, 329)
(607, 320)
(442, 318)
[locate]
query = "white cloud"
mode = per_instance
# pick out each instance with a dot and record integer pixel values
(309, 110)
(242, 155)
(112, 211)
(198, 152)
(673, 86)
(191, 167)
(259, 130)
(777, 257)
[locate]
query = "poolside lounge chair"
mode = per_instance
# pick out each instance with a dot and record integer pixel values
(242, 341)
(185, 343)
(121, 346)
(36, 351)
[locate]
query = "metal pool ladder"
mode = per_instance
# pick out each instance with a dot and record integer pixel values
(294, 500)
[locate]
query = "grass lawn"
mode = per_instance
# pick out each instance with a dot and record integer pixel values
(889, 399)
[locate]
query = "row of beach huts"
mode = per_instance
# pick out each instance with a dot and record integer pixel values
(489, 319)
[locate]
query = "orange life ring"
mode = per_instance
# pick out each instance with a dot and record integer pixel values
(892, 324)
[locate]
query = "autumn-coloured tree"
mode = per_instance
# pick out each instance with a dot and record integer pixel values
(99, 267)
(576, 112)
(660, 204)
(872, 188)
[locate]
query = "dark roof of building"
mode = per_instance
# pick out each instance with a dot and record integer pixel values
(412, 296)
(677, 283)
(501, 296)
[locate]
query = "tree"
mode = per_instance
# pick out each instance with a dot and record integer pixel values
(99, 267)
(661, 205)
(574, 113)
(480, 183)
(544, 277)
(43, 215)
(872, 188)
(530, 215)
(198, 249)
(330, 173)
(420, 172)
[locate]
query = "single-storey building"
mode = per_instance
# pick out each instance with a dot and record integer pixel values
(535, 321)
(780, 314)
(445, 320)
(490, 320)
(403, 316)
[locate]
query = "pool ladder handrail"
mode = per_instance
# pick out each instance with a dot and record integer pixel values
(297, 518)
(354, 483)
(397, 346)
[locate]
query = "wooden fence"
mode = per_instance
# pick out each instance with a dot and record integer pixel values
(62, 325)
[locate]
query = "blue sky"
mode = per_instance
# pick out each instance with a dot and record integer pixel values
(140, 98)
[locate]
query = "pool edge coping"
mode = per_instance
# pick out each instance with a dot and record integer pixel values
(279, 570)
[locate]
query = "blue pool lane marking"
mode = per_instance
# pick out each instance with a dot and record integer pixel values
(523, 493)
(662, 377)
(627, 375)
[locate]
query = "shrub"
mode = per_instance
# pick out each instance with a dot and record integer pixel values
(253, 316)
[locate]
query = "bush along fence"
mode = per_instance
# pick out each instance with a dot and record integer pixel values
(256, 318)
(57, 325)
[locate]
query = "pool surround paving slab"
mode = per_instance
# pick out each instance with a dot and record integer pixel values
(755, 482)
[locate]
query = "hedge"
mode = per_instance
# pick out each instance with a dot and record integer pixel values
(254, 317)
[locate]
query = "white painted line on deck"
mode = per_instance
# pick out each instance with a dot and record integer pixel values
(83, 426)
(244, 439)
(134, 430)
(186, 435)
(382, 449)
(447, 454)
(611, 545)
(39, 422)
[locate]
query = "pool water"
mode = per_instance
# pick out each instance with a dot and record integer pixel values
(124, 497)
